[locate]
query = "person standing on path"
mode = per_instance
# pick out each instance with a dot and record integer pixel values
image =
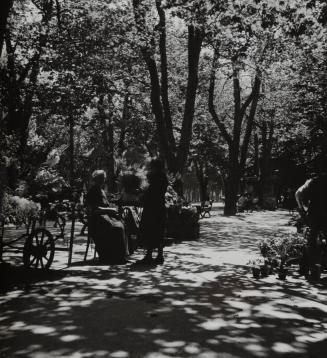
(311, 198)
(153, 220)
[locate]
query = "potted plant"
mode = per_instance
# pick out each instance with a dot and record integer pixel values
(281, 251)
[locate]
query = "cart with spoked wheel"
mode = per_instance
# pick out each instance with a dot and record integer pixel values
(35, 241)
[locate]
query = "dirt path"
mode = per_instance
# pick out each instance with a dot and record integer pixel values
(202, 303)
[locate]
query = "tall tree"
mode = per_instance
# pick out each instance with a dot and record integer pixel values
(237, 144)
(174, 153)
(19, 79)
(246, 38)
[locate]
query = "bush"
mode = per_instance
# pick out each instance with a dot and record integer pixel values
(283, 247)
(19, 210)
(48, 181)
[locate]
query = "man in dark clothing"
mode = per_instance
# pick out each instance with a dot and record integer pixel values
(311, 198)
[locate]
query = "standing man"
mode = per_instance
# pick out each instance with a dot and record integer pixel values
(311, 199)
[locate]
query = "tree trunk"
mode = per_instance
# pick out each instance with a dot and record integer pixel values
(203, 181)
(232, 183)
(4, 14)
(238, 148)
(110, 159)
(204, 196)
(71, 151)
(195, 38)
(3, 184)
(176, 159)
(231, 193)
(256, 155)
(265, 179)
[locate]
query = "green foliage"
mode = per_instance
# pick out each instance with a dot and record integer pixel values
(19, 210)
(48, 181)
(283, 246)
(79, 62)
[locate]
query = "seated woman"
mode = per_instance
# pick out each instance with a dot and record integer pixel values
(105, 226)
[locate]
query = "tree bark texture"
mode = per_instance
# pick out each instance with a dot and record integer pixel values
(174, 155)
(4, 14)
(202, 180)
(71, 151)
(265, 178)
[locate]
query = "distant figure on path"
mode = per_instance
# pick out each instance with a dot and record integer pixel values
(153, 220)
(104, 224)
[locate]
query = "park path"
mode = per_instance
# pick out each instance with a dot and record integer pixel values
(203, 302)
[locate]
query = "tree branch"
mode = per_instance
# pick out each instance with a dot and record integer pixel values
(212, 110)
(58, 13)
(27, 68)
(11, 56)
(247, 102)
(5, 11)
(250, 121)
(237, 108)
(156, 104)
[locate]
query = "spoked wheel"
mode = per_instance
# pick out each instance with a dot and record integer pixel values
(39, 249)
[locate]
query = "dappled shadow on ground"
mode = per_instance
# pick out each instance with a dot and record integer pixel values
(18, 277)
(200, 303)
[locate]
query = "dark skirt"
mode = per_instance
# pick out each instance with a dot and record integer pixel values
(108, 235)
(152, 227)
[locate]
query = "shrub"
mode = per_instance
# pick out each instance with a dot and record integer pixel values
(19, 210)
(282, 247)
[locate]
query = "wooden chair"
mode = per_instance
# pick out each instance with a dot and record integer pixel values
(131, 228)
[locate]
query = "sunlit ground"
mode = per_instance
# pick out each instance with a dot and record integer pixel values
(203, 302)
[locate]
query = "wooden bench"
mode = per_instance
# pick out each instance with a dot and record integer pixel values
(204, 209)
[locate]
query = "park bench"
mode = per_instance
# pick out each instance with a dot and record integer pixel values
(204, 210)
